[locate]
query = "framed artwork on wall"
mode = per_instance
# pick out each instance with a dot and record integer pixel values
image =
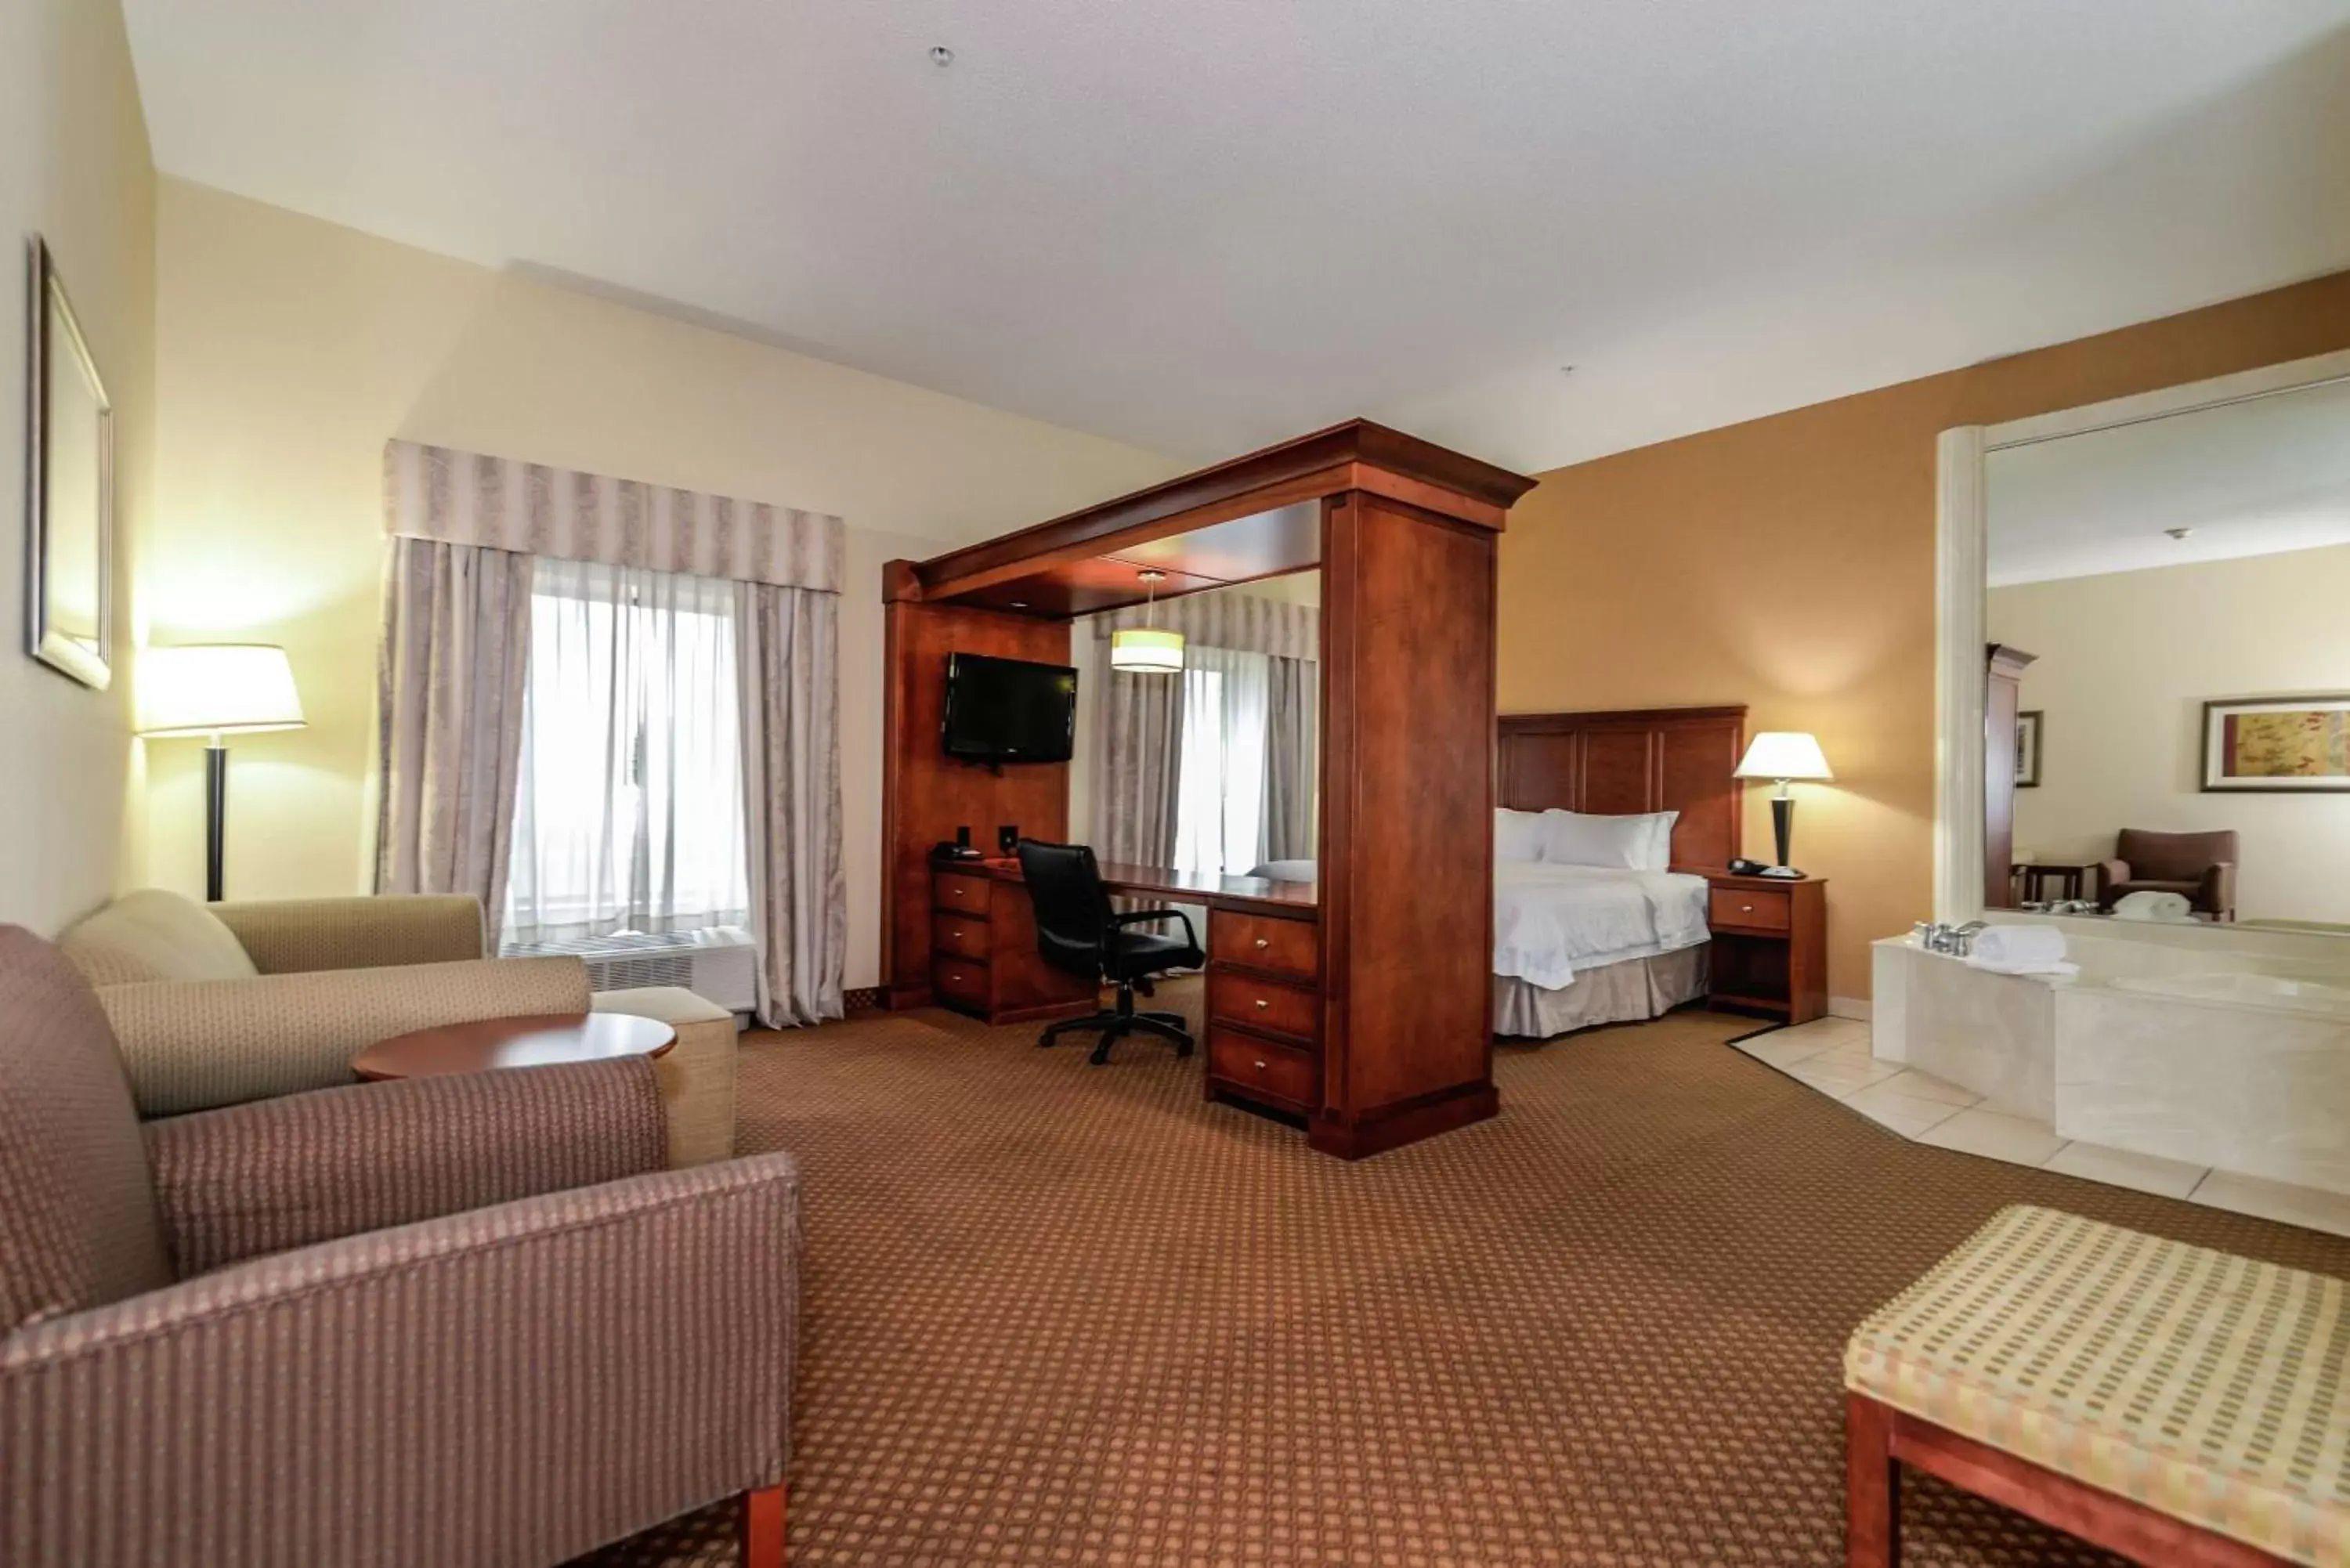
(2277, 745)
(2027, 749)
(68, 488)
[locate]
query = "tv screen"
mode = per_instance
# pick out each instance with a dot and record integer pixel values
(1009, 710)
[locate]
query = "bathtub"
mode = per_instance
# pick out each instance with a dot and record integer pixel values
(2221, 1054)
(2243, 990)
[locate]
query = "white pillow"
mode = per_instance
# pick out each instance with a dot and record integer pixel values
(1659, 853)
(1574, 838)
(1517, 835)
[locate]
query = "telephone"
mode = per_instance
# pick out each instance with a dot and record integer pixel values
(1742, 867)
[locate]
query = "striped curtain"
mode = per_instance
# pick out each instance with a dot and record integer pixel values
(466, 498)
(464, 528)
(456, 635)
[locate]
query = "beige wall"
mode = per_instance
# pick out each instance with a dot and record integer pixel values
(1788, 562)
(73, 169)
(288, 350)
(2125, 662)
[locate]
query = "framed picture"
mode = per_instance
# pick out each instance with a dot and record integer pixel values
(2279, 745)
(2027, 749)
(69, 488)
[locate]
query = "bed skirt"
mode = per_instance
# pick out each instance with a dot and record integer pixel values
(1613, 993)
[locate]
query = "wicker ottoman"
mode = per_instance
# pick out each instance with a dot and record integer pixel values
(2178, 1405)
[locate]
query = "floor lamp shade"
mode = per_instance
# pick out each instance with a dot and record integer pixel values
(1782, 755)
(214, 689)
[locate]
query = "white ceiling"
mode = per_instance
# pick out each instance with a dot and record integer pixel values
(2250, 479)
(1199, 225)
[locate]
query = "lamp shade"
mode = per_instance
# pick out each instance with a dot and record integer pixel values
(215, 687)
(1783, 754)
(1146, 651)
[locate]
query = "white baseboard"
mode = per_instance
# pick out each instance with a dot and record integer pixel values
(1849, 1007)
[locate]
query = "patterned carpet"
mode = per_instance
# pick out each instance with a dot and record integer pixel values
(1061, 1315)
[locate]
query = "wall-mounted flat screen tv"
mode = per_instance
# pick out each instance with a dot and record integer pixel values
(1009, 709)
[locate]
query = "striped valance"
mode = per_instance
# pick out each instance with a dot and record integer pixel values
(465, 498)
(1229, 619)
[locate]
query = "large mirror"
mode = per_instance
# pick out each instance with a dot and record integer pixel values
(2167, 620)
(1214, 766)
(70, 526)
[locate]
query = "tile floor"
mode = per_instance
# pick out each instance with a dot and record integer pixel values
(1832, 1055)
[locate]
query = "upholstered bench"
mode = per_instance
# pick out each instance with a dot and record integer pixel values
(2179, 1405)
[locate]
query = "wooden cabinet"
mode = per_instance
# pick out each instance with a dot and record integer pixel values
(983, 956)
(1769, 952)
(1264, 1010)
(1263, 1071)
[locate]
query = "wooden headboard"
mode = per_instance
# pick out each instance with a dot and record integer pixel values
(1635, 760)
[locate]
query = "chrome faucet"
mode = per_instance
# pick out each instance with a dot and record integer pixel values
(1956, 940)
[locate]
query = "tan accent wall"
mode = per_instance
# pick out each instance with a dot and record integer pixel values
(74, 169)
(1788, 564)
(289, 349)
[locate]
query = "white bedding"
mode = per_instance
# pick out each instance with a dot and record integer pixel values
(1551, 921)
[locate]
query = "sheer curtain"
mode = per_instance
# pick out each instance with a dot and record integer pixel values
(1292, 759)
(1220, 822)
(629, 806)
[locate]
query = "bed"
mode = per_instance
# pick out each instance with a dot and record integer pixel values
(1577, 944)
(1611, 946)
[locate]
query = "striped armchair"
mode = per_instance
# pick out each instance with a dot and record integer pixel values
(217, 1004)
(468, 1321)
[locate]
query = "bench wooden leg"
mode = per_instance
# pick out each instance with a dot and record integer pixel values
(763, 1527)
(1872, 1486)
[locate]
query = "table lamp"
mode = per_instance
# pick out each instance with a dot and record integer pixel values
(214, 689)
(1782, 755)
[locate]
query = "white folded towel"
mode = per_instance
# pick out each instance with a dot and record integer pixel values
(2019, 949)
(2153, 906)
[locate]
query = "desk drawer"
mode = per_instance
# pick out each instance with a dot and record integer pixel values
(963, 895)
(959, 935)
(1261, 1069)
(1747, 910)
(1264, 1005)
(1286, 946)
(960, 980)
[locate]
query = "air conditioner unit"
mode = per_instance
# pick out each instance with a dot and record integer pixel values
(719, 964)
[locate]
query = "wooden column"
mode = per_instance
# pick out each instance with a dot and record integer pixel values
(2002, 692)
(927, 795)
(1407, 673)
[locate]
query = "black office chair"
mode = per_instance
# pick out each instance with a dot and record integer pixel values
(1078, 931)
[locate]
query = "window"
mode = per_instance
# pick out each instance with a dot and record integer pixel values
(1220, 779)
(628, 808)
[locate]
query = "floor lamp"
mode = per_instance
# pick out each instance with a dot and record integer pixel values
(214, 689)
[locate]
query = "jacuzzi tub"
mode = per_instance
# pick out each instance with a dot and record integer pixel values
(2216, 1053)
(2244, 991)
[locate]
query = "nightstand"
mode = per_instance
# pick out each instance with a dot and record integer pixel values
(1770, 951)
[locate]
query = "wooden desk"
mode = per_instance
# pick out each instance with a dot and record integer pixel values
(1264, 1009)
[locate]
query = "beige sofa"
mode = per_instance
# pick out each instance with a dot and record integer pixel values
(217, 1004)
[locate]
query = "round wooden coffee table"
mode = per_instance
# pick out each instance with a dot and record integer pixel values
(491, 1043)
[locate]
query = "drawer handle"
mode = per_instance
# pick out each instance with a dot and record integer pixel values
(1263, 941)
(1261, 1004)
(1745, 909)
(1260, 1067)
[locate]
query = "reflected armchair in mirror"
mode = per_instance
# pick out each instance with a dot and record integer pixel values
(2199, 867)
